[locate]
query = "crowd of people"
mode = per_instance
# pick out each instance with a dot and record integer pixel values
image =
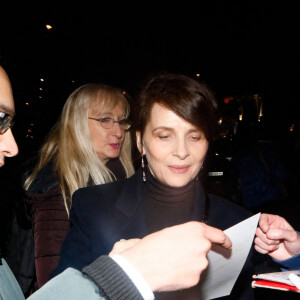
(116, 231)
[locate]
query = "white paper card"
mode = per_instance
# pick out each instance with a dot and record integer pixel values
(225, 265)
(282, 277)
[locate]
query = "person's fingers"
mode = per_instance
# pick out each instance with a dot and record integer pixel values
(280, 234)
(259, 232)
(217, 236)
(264, 222)
(268, 221)
(264, 246)
(123, 245)
(264, 238)
(260, 250)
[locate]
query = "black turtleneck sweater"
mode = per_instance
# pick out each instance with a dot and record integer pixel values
(166, 206)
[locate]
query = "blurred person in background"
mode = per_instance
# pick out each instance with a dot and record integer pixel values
(90, 144)
(8, 146)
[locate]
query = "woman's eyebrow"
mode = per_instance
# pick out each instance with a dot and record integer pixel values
(106, 113)
(163, 128)
(109, 114)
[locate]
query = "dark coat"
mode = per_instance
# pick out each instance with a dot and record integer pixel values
(39, 227)
(102, 215)
(50, 222)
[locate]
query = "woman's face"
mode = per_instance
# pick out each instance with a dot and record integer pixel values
(175, 149)
(107, 142)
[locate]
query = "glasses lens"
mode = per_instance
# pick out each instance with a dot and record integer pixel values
(125, 124)
(6, 122)
(107, 123)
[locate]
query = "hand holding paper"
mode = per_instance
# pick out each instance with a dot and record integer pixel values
(276, 237)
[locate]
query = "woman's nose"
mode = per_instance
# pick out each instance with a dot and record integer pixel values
(181, 149)
(8, 145)
(117, 131)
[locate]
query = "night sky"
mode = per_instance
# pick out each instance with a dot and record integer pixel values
(237, 47)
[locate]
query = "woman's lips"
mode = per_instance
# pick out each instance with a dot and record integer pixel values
(179, 169)
(115, 146)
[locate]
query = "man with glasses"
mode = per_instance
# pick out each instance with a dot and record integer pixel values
(134, 268)
(8, 146)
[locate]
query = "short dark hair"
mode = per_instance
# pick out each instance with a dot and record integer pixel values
(190, 99)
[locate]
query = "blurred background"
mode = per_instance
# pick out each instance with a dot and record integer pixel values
(246, 51)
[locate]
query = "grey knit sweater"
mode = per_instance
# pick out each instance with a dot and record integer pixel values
(113, 282)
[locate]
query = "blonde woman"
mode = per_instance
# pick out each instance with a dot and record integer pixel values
(90, 144)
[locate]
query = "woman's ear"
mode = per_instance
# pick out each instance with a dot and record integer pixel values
(139, 143)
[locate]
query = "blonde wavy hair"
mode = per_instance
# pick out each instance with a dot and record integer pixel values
(69, 144)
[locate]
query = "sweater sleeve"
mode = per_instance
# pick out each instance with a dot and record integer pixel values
(292, 263)
(113, 282)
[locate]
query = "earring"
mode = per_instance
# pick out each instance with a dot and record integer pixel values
(143, 169)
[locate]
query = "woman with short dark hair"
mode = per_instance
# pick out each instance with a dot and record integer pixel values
(175, 120)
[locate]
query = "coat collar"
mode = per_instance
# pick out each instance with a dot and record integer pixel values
(131, 217)
(131, 220)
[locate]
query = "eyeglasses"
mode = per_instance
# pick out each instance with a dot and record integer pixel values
(108, 123)
(6, 122)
